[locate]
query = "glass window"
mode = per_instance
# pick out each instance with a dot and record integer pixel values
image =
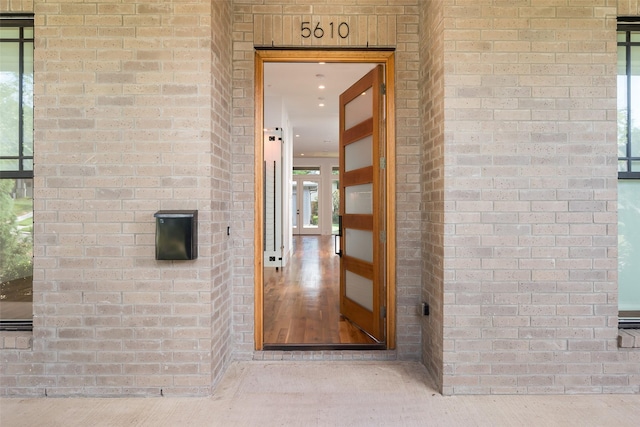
(16, 172)
(335, 206)
(628, 112)
(629, 246)
(628, 173)
(306, 170)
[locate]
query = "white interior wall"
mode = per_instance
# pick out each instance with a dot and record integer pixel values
(287, 166)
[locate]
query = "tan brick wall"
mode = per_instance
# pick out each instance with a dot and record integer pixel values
(530, 200)
(132, 116)
(16, 6)
(387, 23)
(628, 7)
(432, 180)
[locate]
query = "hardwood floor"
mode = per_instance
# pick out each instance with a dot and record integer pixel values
(301, 300)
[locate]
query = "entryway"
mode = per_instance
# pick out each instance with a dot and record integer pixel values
(357, 264)
(300, 301)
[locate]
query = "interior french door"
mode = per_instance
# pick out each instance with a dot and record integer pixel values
(305, 206)
(362, 245)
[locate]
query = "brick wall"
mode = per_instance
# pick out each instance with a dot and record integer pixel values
(530, 200)
(378, 23)
(221, 170)
(628, 7)
(505, 139)
(432, 181)
(16, 6)
(132, 116)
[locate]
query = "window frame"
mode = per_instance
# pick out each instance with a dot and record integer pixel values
(628, 319)
(628, 25)
(306, 171)
(22, 21)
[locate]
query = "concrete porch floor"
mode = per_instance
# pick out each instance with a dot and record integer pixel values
(325, 394)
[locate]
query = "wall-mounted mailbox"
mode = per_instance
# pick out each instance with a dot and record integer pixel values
(176, 235)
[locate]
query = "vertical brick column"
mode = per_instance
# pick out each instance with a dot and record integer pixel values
(221, 175)
(124, 128)
(432, 182)
(530, 199)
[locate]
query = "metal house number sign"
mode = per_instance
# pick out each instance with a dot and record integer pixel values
(307, 30)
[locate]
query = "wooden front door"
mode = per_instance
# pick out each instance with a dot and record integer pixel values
(362, 208)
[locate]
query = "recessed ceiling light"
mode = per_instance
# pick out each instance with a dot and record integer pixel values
(297, 135)
(321, 105)
(321, 87)
(302, 154)
(321, 63)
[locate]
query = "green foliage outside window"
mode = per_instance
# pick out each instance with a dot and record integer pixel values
(15, 238)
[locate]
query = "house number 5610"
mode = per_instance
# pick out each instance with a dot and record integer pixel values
(306, 31)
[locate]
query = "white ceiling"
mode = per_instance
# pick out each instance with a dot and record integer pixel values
(296, 84)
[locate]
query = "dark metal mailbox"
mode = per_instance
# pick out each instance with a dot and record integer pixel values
(176, 235)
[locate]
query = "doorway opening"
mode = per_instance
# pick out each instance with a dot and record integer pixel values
(325, 223)
(306, 212)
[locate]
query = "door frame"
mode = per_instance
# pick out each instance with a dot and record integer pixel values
(380, 56)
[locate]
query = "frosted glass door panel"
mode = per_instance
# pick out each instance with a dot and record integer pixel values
(628, 244)
(358, 154)
(359, 109)
(359, 199)
(359, 244)
(360, 290)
